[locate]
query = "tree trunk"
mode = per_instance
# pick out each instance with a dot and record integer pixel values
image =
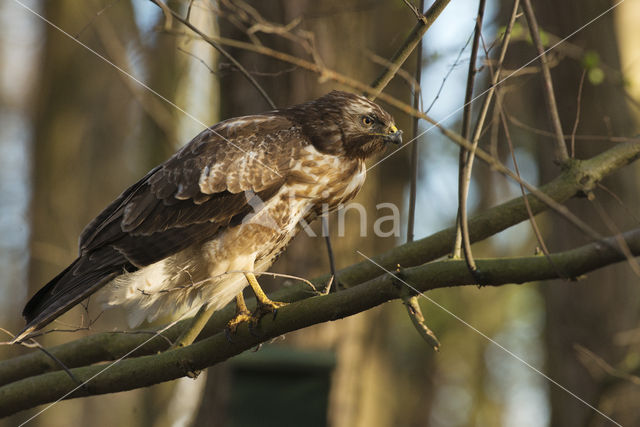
(606, 302)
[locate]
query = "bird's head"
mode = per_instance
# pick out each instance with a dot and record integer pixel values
(345, 123)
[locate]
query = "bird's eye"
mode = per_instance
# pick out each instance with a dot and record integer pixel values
(367, 120)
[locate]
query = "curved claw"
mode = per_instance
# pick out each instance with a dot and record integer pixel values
(266, 307)
(232, 325)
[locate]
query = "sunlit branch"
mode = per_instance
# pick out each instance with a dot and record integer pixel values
(143, 371)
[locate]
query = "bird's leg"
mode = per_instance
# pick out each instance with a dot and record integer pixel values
(242, 315)
(264, 304)
(192, 331)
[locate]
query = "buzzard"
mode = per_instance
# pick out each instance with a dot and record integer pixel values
(195, 229)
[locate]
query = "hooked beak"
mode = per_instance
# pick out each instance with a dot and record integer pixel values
(394, 135)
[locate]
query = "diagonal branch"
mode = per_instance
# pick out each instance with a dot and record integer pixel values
(147, 370)
(330, 74)
(579, 178)
(408, 46)
(171, 14)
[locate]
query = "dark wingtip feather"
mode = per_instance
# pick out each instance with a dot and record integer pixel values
(39, 300)
(62, 293)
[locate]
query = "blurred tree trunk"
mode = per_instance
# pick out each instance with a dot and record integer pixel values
(196, 89)
(363, 375)
(91, 141)
(591, 312)
(79, 144)
(81, 131)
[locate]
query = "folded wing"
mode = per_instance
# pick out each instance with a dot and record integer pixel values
(186, 201)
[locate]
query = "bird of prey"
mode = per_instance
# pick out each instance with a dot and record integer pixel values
(194, 231)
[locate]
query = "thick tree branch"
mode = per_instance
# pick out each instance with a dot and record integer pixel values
(143, 371)
(580, 177)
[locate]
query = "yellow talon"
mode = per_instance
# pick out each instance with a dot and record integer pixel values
(242, 314)
(264, 304)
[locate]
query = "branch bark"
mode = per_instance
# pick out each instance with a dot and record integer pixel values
(143, 371)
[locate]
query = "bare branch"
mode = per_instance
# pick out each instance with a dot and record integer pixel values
(407, 109)
(552, 108)
(465, 159)
(110, 346)
(577, 120)
(541, 132)
(532, 220)
(169, 13)
(417, 318)
(409, 45)
(143, 371)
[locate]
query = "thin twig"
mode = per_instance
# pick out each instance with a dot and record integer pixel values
(577, 121)
(355, 84)
(414, 149)
(332, 263)
(189, 10)
(611, 225)
(209, 280)
(35, 344)
(463, 183)
(467, 158)
(411, 302)
(495, 125)
(418, 321)
(617, 198)
(417, 12)
(405, 75)
(532, 220)
(553, 60)
(541, 132)
(446, 77)
(168, 12)
(591, 360)
(59, 363)
(197, 58)
(552, 108)
(421, 27)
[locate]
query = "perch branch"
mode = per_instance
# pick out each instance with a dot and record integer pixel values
(580, 177)
(143, 371)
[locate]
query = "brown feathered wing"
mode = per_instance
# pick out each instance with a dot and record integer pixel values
(186, 201)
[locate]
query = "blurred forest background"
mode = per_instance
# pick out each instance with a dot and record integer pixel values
(74, 132)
